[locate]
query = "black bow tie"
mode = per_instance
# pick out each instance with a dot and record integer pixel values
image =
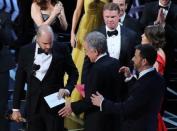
(111, 33)
(163, 7)
(40, 51)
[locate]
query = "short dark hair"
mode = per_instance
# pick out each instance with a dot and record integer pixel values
(156, 35)
(43, 3)
(127, 1)
(111, 6)
(148, 52)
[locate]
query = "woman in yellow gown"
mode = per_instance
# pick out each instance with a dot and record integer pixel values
(91, 19)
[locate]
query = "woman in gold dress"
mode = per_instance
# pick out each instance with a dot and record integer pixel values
(91, 19)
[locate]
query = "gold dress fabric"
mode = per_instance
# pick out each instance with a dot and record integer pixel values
(91, 19)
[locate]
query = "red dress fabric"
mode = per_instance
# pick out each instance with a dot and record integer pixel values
(161, 124)
(161, 66)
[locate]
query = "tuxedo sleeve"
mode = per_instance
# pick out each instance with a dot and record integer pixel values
(71, 70)
(142, 97)
(20, 80)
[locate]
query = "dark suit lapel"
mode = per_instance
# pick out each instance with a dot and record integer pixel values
(30, 57)
(147, 75)
(123, 41)
(170, 12)
(126, 20)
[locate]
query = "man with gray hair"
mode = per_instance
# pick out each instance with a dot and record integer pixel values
(101, 76)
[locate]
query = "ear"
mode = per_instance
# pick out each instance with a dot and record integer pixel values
(96, 52)
(144, 62)
(126, 5)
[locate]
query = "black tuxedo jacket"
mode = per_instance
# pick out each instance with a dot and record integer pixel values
(128, 42)
(139, 111)
(53, 79)
(133, 24)
(102, 77)
(150, 14)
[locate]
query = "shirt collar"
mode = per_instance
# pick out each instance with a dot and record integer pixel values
(117, 28)
(142, 73)
(122, 18)
(100, 56)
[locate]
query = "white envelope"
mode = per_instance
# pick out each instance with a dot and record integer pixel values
(53, 100)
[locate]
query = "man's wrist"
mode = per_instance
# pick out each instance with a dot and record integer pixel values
(68, 92)
(15, 110)
(101, 109)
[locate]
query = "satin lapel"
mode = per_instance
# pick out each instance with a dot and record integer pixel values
(122, 41)
(170, 13)
(104, 31)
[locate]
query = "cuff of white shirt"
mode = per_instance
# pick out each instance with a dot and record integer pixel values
(101, 109)
(67, 91)
(15, 110)
(129, 78)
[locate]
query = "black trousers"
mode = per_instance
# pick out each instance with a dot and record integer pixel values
(45, 120)
(4, 84)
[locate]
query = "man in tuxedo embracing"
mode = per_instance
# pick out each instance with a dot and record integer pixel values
(139, 110)
(42, 65)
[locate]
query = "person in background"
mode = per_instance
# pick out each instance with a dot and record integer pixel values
(120, 40)
(155, 35)
(9, 11)
(139, 110)
(164, 12)
(6, 63)
(42, 64)
(126, 20)
(50, 12)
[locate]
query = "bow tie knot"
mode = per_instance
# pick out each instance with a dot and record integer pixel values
(40, 51)
(163, 7)
(111, 33)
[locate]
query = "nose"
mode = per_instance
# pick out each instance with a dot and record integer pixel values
(133, 59)
(48, 46)
(142, 35)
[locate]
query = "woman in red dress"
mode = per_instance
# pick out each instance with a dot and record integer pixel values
(155, 35)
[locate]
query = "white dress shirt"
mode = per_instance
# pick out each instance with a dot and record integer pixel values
(122, 19)
(100, 56)
(44, 61)
(114, 43)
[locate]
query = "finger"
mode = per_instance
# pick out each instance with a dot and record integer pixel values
(98, 93)
(93, 95)
(92, 98)
(62, 113)
(122, 69)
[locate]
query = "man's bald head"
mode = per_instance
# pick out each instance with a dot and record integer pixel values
(45, 37)
(45, 29)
